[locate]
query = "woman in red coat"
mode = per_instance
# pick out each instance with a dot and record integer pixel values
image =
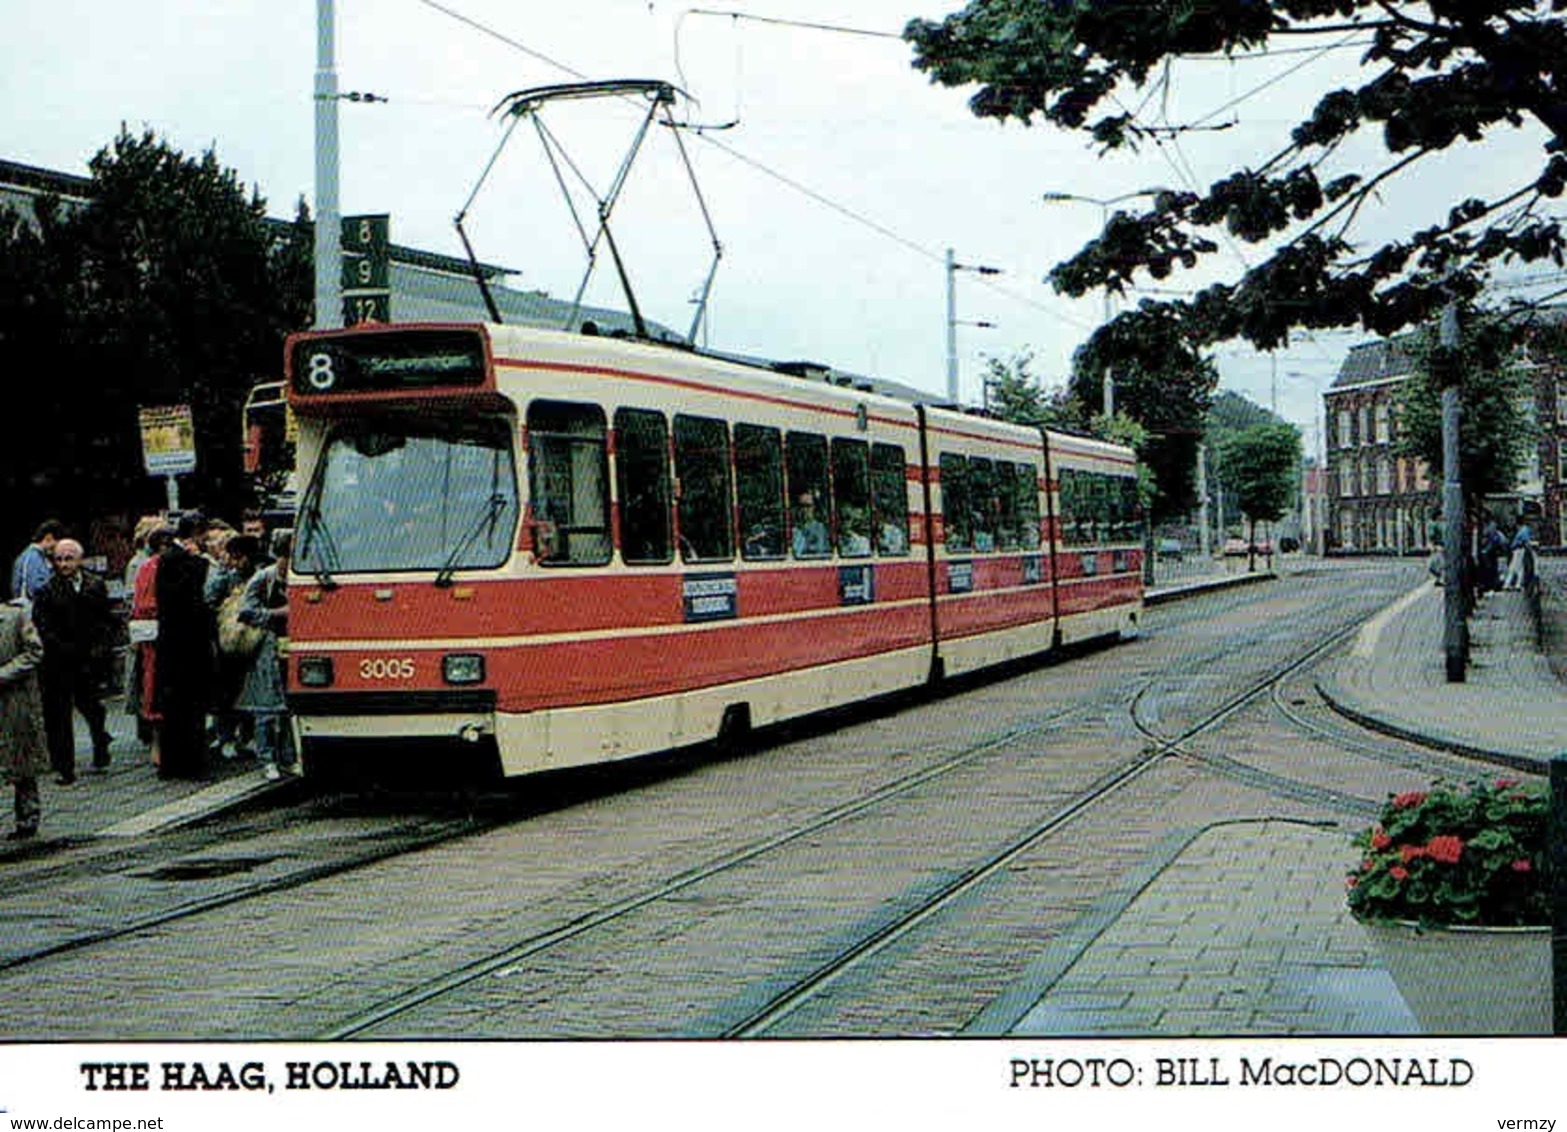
(144, 632)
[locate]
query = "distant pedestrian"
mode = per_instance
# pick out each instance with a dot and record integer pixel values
(24, 753)
(265, 606)
(1493, 548)
(74, 619)
(1522, 538)
(183, 687)
(31, 570)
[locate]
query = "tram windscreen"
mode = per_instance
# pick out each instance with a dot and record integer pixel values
(409, 494)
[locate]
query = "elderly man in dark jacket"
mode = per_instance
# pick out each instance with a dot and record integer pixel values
(23, 756)
(76, 622)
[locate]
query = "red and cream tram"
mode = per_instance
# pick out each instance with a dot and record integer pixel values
(545, 549)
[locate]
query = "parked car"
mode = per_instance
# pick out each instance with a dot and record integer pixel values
(1289, 544)
(1169, 549)
(1234, 546)
(1264, 546)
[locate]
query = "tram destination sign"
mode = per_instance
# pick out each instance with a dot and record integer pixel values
(386, 362)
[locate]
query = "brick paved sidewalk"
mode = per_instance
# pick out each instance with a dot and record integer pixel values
(1235, 933)
(130, 798)
(1511, 708)
(1230, 929)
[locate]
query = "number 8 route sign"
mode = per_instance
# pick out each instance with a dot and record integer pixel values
(168, 440)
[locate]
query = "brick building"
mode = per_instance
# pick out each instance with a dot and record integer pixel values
(1377, 501)
(1381, 503)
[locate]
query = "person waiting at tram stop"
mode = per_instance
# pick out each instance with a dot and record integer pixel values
(24, 754)
(810, 533)
(182, 687)
(265, 606)
(76, 622)
(32, 570)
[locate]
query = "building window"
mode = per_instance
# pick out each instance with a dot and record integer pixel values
(1365, 425)
(1561, 400)
(1345, 440)
(1382, 423)
(1384, 476)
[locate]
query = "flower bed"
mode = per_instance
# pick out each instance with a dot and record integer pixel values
(1470, 854)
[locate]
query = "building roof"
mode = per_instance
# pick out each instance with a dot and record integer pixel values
(1385, 359)
(426, 286)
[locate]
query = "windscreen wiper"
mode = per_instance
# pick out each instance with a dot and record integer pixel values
(316, 532)
(494, 505)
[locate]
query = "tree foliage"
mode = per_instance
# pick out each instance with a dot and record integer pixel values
(1434, 74)
(1260, 463)
(1231, 414)
(168, 286)
(1013, 393)
(1495, 429)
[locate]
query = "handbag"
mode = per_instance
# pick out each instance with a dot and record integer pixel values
(142, 630)
(235, 638)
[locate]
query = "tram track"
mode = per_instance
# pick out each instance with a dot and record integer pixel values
(210, 851)
(599, 929)
(781, 1004)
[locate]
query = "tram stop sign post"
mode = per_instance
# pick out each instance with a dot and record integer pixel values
(168, 445)
(366, 280)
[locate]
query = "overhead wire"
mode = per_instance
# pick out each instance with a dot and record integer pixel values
(761, 167)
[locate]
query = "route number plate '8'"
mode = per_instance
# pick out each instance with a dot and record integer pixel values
(387, 668)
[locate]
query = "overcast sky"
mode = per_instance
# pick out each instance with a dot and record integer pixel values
(840, 179)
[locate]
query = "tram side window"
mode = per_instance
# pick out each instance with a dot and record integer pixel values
(1076, 525)
(642, 481)
(1131, 506)
(982, 502)
(955, 512)
(1097, 507)
(569, 479)
(851, 486)
(889, 499)
(809, 495)
(1028, 506)
(1008, 537)
(759, 487)
(702, 469)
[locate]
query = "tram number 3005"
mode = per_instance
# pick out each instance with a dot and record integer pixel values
(384, 668)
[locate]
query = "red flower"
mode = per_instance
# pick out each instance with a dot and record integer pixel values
(1410, 798)
(1367, 865)
(1398, 872)
(1411, 853)
(1380, 840)
(1445, 848)
(1522, 865)
(1506, 783)
(1349, 882)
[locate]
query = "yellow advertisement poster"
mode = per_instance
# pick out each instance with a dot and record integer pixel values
(168, 440)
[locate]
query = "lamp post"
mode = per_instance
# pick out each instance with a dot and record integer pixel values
(1104, 204)
(953, 267)
(328, 245)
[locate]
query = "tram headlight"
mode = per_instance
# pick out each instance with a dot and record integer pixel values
(463, 667)
(315, 671)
